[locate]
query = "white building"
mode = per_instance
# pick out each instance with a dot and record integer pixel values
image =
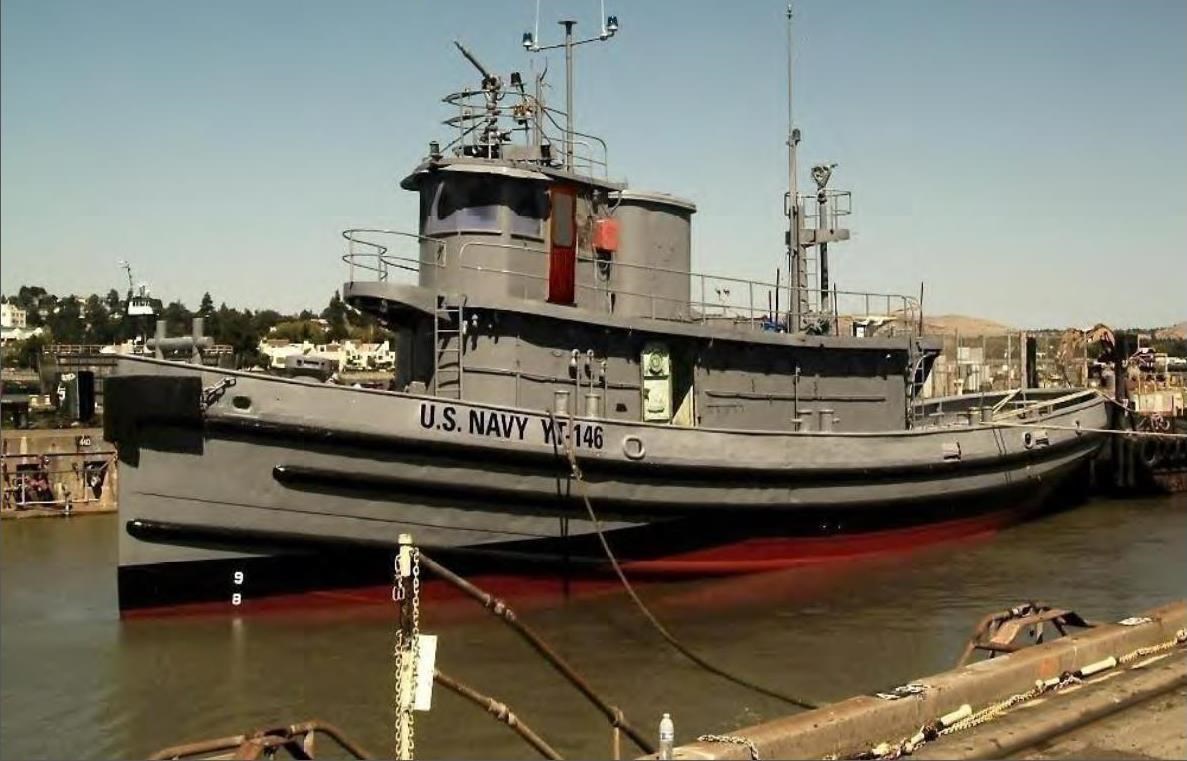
(346, 355)
(14, 324)
(11, 316)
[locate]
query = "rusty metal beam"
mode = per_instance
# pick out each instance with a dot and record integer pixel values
(500, 609)
(500, 711)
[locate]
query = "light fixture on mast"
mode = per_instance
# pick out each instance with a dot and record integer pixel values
(532, 45)
(821, 174)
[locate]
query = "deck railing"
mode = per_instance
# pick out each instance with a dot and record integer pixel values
(365, 253)
(838, 204)
(709, 298)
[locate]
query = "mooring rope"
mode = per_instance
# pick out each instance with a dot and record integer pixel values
(670, 638)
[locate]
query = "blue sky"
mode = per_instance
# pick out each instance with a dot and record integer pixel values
(1027, 160)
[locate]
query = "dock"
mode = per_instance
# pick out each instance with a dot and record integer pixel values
(57, 472)
(1112, 689)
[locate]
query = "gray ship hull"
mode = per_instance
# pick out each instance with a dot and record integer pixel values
(219, 482)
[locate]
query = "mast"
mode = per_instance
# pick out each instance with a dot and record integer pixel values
(568, 24)
(794, 259)
(531, 44)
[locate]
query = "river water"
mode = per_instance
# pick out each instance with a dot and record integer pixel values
(76, 682)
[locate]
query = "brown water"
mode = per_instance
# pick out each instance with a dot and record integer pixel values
(76, 682)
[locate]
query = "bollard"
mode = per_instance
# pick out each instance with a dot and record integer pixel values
(198, 330)
(159, 353)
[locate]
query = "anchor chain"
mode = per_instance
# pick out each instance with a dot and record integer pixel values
(211, 394)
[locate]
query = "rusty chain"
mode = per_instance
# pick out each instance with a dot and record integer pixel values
(936, 729)
(406, 644)
(733, 740)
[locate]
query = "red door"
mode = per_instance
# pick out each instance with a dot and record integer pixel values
(562, 260)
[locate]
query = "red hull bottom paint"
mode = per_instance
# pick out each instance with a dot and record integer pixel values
(751, 556)
(758, 555)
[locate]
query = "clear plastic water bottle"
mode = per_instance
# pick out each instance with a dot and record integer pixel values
(667, 737)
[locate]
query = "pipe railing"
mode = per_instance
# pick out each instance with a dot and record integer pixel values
(475, 124)
(369, 255)
(738, 299)
(46, 486)
(838, 203)
(710, 297)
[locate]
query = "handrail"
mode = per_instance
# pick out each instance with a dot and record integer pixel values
(479, 119)
(379, 251)
(738, 298)
(589, 160)
(899, 306)
(839, 203)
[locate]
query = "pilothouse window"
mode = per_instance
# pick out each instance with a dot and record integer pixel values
(465, 204)
(472, 204)
(529, 206)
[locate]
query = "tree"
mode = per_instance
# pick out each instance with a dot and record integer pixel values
(27, 353)
(238, 330)
(335, 314)
(99, 327)
(33, 298)
(265, 319)
(65, 321)
(177, 319)
(298, 331)
(206, 308)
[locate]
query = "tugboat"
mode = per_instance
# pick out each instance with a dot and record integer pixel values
(544, 312)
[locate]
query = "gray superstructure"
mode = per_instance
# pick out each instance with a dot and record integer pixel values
(538, 307)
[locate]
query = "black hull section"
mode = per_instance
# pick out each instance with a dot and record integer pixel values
(288, 564)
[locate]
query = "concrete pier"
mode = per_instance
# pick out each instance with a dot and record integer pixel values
(855, 726)
(1156, 728)
(1138, 713)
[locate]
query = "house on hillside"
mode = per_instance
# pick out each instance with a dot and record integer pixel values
(14, 324)
(344, 355)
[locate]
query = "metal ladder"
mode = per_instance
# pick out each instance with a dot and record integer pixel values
(915, 385)
(449, 329)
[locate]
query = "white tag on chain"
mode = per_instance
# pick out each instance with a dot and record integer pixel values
(425, 666)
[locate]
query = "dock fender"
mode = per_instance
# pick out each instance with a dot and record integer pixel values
(130, 401)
